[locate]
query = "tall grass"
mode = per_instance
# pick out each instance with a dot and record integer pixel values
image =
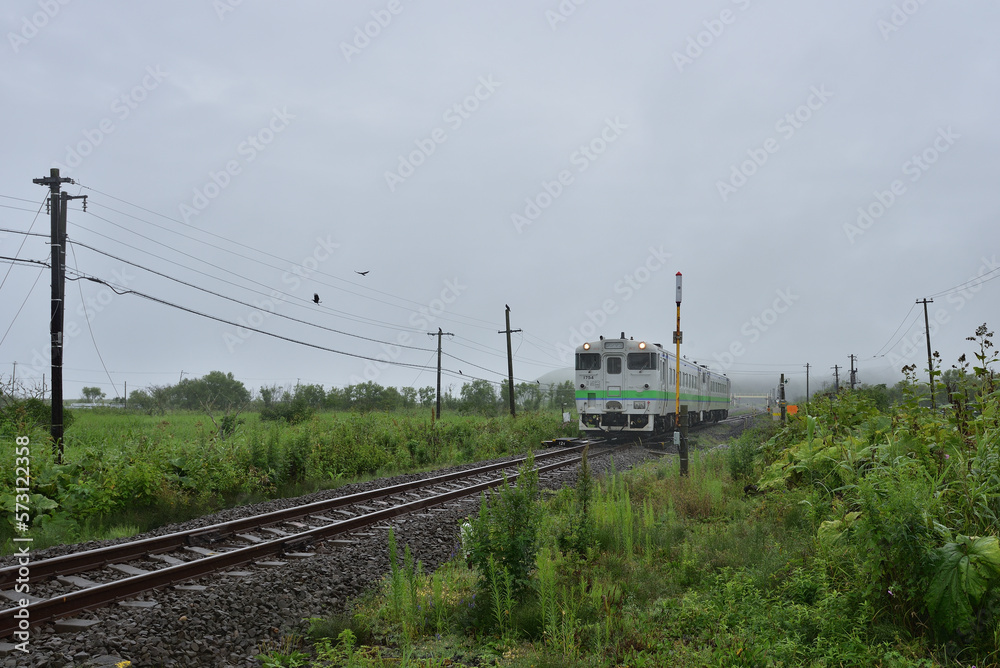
(124, 472)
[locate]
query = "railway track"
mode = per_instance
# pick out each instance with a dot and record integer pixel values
(120, 573)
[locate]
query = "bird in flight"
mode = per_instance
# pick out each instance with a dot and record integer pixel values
(316, 298)
(363, 273)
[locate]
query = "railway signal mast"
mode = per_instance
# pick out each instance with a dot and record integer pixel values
(677, 360)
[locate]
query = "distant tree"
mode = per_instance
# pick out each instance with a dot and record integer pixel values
(92, 394)
(479, 397)
(215, 391)
(564, 393)
(270, 394)
(409, 395)
(428, 396)
(529, 396)
(312, 395)
(338, 399)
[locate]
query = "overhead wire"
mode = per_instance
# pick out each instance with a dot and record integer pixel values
(243, 303)
(273, 291)
(23, 241)
(90, 327)
(271, 255)
(121, 290)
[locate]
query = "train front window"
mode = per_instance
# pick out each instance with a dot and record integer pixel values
(588, 361)
(614, 365)
(641, 361)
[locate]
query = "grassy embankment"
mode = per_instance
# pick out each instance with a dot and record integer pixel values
(123, 473)
(851, 537)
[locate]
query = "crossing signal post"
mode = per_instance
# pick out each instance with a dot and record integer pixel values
(681, 426)
(677, 360)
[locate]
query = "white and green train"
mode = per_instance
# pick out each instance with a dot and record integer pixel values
(627, 385)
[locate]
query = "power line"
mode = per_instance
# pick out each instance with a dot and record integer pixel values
(243, 303)
(21, 307)
(485, 324)
(894, 333)
(90, 328)
(21, 247)
(273, 291)
(29, 234)
(124, 291)
(979, 280)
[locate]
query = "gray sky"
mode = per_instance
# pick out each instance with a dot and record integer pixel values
(812, 168)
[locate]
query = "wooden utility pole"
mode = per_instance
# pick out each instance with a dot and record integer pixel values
(930, 358)
(853, 372)
(807, 388)
(57, 201)
(510, 361)
(836, 378)
(439, 334)
(781, 402)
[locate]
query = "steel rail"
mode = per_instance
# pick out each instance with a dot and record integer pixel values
(91, 559)
(94, 597)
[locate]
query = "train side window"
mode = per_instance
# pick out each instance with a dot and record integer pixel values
(614, 365)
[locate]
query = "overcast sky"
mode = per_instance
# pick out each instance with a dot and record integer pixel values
(813, 168)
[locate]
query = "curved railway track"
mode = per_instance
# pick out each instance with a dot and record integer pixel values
(178, 558)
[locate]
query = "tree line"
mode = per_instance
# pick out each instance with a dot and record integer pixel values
(221, 392)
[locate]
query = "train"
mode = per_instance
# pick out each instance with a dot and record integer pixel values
(624, 385)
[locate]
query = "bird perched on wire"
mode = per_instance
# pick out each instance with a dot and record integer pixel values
(363, 273)
(316, 298)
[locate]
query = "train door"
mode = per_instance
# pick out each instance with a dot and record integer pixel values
(613, 380)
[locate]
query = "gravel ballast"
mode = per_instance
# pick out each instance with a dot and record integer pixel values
(224, 625)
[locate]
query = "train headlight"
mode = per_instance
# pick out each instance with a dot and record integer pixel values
(642, 345)
(586, 346)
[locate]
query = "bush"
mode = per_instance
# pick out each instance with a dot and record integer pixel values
(504, 537)
(292, 412)
(25, 414)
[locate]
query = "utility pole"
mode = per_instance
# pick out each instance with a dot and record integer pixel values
(13, 379)
(510, 360)
(781, 402)
(836, 378)
(853, 372)
(439, 334)
(930, 359)
(807, 388)
(58, 202)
